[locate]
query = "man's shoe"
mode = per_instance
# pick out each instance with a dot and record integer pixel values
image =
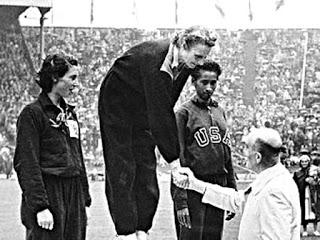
(304, 234)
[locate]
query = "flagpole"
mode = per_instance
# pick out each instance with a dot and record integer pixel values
(134, 12)
(303, 69)
(91, 14)
(176, 12)
(250, 12)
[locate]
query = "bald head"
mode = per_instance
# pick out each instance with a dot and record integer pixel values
(268, 136)
(267, 142)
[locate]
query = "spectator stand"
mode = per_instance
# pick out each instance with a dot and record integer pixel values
(17, 72)
(277, 77)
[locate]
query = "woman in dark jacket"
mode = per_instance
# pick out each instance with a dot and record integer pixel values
(48, 158)
(307, 181)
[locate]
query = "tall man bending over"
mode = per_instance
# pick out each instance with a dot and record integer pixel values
(136, 113)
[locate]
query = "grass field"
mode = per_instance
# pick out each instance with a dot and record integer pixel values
(100, 224)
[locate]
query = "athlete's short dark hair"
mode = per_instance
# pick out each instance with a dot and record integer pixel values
(208, 65)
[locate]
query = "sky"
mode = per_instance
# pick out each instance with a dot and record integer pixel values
(161, 14)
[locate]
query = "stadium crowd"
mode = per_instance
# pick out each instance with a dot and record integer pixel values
(278, 66)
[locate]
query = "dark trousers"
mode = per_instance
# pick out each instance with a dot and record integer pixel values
(131, 182)
(206, 220)
(67, 205)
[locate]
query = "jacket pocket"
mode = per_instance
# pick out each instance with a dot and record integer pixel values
(53, 153)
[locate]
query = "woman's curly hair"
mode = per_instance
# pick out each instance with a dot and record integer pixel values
(54, 67)
(194, 35)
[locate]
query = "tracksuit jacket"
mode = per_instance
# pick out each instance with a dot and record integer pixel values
(205, 149)
(136, 92)
(49, 162)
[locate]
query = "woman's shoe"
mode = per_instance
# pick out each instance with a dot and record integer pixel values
(141, 235)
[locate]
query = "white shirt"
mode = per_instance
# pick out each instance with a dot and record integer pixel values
(272, 210)
(171, 60)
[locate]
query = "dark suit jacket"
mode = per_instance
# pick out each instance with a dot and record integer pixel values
(135, 92)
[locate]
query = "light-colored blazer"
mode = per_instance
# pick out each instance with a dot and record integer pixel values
(272, 210)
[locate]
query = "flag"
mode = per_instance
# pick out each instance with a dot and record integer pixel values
(250, 11)
(91, 12)
(134, 8)
(219, 9)
(279, 4)
(176, 12)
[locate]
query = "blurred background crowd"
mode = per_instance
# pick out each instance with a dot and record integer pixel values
(274, 100)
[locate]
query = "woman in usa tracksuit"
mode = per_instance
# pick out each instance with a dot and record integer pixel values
(205, 149)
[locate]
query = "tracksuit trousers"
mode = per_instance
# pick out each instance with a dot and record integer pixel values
(67, 205)
(206, 221)
(131, 182)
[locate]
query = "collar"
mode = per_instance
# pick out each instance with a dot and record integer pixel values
(196, 101)
(266, 176)
(47, 104)
(171, 60)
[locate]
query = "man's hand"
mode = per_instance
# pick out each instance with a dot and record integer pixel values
(230, 215)
(180, 179)
(187, 180)
(45, 219)
(174, 164)
(183, 177)
(184, 217)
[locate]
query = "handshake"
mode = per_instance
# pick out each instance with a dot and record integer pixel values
(184, 178)
(223, 198)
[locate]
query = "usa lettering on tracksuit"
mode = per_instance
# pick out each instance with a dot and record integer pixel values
(204, 148)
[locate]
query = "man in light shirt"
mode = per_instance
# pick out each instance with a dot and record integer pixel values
(272, 208)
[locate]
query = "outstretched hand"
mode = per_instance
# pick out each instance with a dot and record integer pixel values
(183, 177)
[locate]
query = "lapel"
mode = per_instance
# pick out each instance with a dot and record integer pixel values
(179, 82)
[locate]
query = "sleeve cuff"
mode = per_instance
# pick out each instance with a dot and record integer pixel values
(199, 186)
(179, 205)
(38, 208)
(175, 164)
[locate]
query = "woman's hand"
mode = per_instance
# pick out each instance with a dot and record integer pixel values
(181, 177)
(45, 219)
(184, 217)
